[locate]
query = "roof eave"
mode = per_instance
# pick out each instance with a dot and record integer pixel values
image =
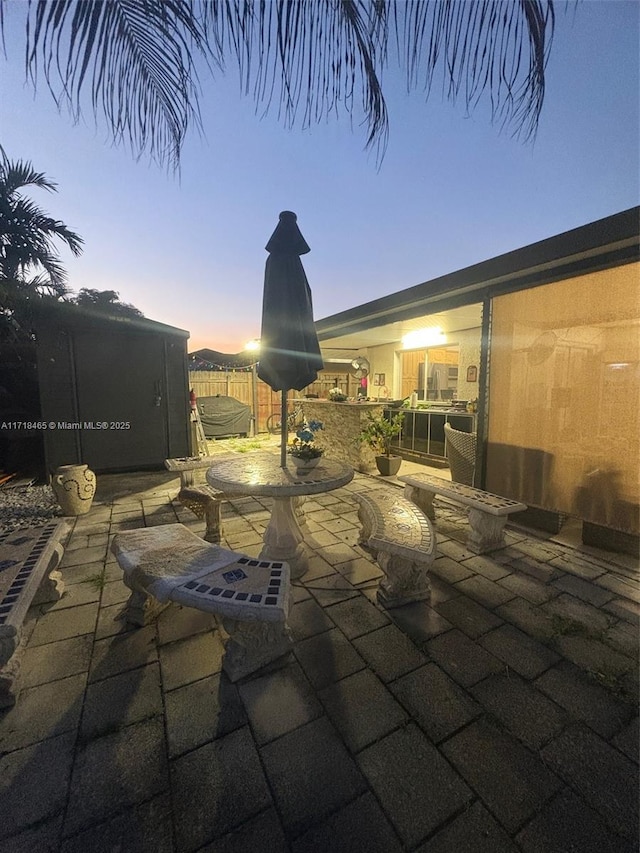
(602, 244)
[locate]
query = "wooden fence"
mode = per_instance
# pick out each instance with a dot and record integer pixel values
(239, 384)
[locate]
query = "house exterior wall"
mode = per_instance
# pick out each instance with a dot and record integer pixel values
(383, 359)
(469, 356)
(561, 433)
(564, 397)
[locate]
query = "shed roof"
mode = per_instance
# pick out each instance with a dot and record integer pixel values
(68, 315)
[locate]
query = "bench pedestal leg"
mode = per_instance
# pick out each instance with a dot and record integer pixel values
(141, 608)
(405, 581)
(422, 499)
(10, 680)
(487, 531)
(213, 521)
(252, 645)
(210, 510)
(52, 585)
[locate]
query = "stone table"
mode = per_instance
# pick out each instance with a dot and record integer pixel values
(260, 475)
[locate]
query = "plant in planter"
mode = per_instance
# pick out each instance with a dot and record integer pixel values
(305, 453)
(336, 395)
(377, 433)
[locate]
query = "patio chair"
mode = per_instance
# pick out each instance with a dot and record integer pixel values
(460, 450)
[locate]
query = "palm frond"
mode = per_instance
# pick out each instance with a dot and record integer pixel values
(134, 58)
(495, 46)
(311, 56)
(308, 56)
(19, 173)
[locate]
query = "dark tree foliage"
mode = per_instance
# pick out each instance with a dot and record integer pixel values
(31, 277)
(105, 302)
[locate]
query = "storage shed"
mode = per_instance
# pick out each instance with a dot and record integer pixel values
(113, 390)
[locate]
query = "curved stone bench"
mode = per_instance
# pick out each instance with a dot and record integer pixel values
(403, 541)
(488, 513)
(28, 576)
(251, 596)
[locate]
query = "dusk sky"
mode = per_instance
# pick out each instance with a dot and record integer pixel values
(452, 190)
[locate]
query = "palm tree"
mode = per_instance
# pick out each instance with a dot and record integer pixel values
(30, 274)
(138, 62)
(29, 260)
(30, 268)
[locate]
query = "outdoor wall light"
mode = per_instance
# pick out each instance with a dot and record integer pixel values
(424, 338)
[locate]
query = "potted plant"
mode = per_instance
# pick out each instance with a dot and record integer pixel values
(377, 433)
(336, 395)
(305, 453)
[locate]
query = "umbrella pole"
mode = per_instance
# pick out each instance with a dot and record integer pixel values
(284, 431)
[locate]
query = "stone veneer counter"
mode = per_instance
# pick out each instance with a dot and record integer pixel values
(342, 425)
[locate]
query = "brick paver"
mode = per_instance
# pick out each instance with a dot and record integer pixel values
(499, 716)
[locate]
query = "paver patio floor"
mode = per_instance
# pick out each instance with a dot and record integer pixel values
(500, 715)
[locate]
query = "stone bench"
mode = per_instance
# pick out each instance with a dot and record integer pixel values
(402, 539)
(28, 576)
(488, 513)
(251, 596)
(201, 499)
(205, 502)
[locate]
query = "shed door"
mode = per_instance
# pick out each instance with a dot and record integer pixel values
(120, 382)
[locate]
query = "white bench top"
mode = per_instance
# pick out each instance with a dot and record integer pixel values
(468, 495)
(398, 525)
(189, 463)
(172, 563)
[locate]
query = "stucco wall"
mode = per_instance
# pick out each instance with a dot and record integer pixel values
(383, 360)
(469, 356)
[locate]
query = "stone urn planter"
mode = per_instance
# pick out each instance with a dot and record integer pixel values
(388, 465)
(74, 487)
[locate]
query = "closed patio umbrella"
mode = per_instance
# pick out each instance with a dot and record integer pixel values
(289, 350)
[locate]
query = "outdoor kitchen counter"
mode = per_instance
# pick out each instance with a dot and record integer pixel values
(423, 429)
(342, 425)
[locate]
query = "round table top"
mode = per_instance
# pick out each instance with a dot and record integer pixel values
(261, 474)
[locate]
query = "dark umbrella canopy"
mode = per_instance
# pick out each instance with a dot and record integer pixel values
(289, 350)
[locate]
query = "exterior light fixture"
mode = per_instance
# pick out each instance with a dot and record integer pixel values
(424, 338)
